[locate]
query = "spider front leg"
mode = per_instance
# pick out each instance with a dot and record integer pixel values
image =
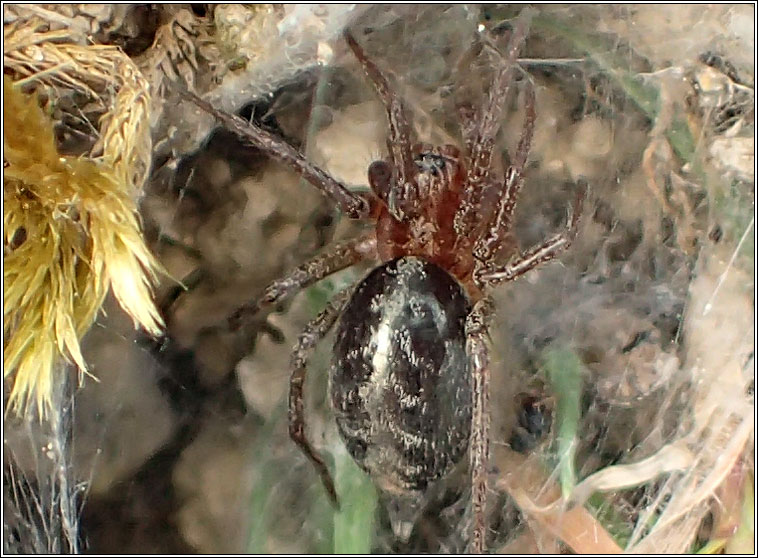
(400, 199)
(490, 274)
(306, 343)
(487, 124)
(476, 349)
(350, 203)
(339, 257)
(467, 113)
(501, 221)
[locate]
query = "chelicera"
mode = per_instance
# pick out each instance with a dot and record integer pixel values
(409, 380)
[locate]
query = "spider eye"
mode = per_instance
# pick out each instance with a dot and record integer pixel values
(430, 162)
(380, 178)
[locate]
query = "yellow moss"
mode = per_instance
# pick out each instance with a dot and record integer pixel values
(71, 232)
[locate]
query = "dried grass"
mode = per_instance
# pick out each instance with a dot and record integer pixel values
(707, 469)
(71, 229)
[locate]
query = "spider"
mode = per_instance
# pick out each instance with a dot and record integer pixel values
(409, 380)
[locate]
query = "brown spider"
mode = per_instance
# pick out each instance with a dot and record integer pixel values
(409, 382)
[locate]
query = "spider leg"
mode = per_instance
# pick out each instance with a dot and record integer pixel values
(487, 124)
(338, 257)
(306, 343)
(490, 275)
(350, 203)
(467, 122)
(467, 113)
(399, 140)
(476, 348)
(500, 222)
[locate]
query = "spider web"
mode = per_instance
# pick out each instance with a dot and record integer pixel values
(638, 344)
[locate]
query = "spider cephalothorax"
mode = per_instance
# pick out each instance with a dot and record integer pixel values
(409, 378)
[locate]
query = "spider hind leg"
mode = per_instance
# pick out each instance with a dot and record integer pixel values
(476, 348)
(314, 332)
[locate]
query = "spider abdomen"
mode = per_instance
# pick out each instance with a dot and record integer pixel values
(400, 385)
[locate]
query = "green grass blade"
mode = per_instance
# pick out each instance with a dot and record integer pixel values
(743, 540)
(564, 372)
(354, 523)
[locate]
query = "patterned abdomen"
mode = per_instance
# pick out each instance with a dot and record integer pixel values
(399, 381)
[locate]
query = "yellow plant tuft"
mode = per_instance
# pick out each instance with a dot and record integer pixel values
(71, 232)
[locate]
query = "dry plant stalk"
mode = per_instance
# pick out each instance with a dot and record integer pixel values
(712, 449)
(71, 229)
(535, 494)
(722, 426)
